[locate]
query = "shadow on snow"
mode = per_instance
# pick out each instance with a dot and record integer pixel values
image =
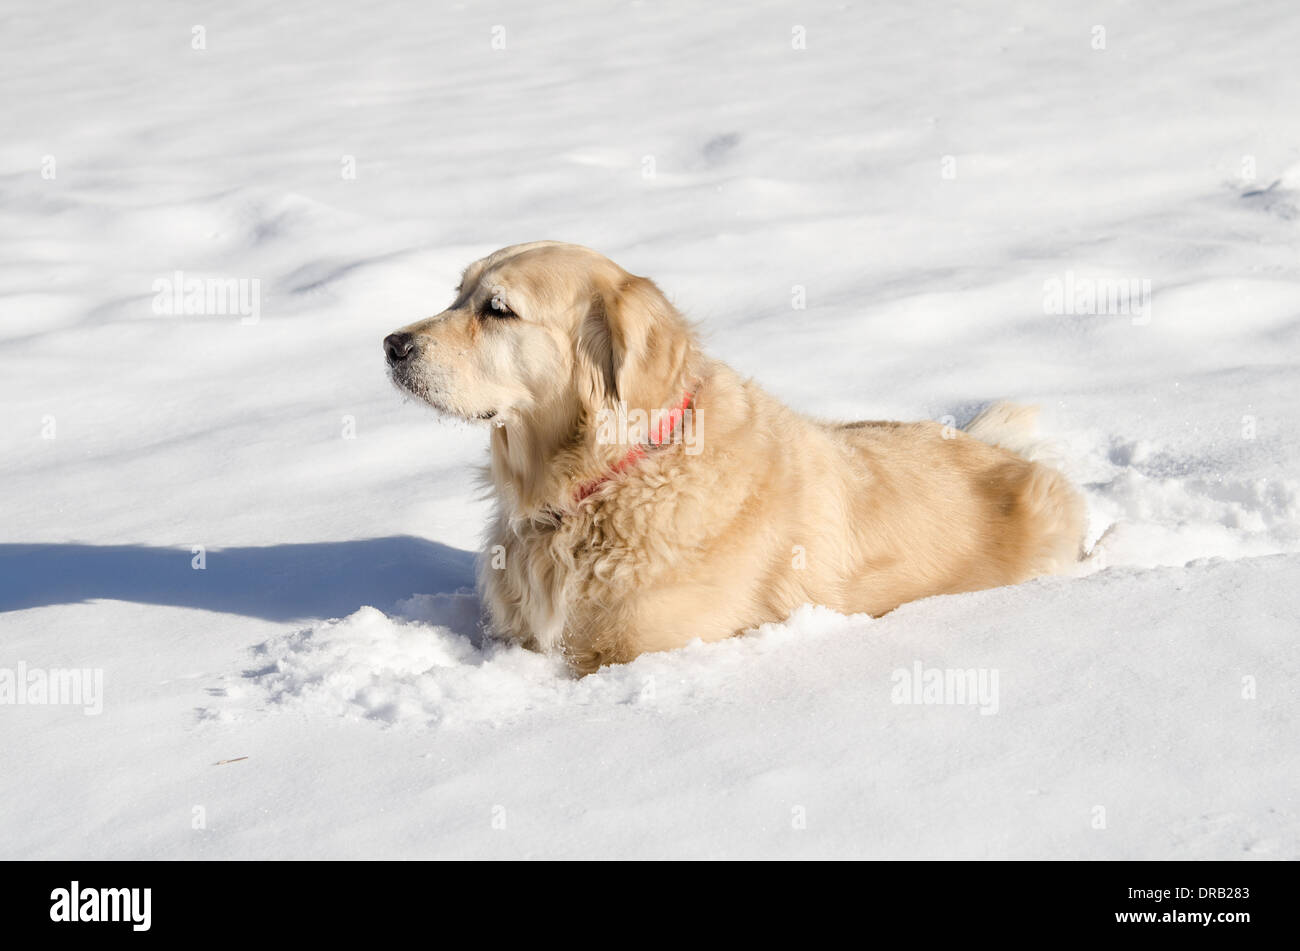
(275, 582)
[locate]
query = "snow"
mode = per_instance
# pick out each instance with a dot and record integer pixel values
(920, 176)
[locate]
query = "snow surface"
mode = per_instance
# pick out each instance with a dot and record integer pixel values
(922, 171)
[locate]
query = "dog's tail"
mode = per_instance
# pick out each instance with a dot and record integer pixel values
(1060, 509)
(1014, 427)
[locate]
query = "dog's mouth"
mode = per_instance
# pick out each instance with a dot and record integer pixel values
(413, 384)
(409, 383)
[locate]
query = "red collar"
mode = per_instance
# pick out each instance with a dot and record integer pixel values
(667, 425)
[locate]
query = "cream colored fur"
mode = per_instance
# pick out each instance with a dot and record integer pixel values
(775, 509)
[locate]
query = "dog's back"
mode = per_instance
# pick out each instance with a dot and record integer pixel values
(977, 495)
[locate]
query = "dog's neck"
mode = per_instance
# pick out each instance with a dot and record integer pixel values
(542, 475)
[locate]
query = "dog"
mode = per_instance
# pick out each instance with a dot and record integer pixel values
(647, 495)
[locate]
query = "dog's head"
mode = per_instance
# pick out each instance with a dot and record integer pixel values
(542, 335)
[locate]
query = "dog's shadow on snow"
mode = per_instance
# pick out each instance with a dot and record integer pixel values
(275, 582)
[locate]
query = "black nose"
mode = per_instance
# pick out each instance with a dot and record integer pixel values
(398, 347)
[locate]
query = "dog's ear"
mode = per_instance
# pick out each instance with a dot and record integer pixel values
(599, 355)
(633, 347)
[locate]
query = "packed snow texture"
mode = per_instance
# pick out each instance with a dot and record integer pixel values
(873, 210)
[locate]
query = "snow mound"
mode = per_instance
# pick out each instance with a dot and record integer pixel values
(428, 665)
(1281, 197)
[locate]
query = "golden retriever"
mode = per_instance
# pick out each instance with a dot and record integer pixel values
(647, 495)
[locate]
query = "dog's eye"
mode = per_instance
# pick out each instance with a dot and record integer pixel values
(496, 307)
